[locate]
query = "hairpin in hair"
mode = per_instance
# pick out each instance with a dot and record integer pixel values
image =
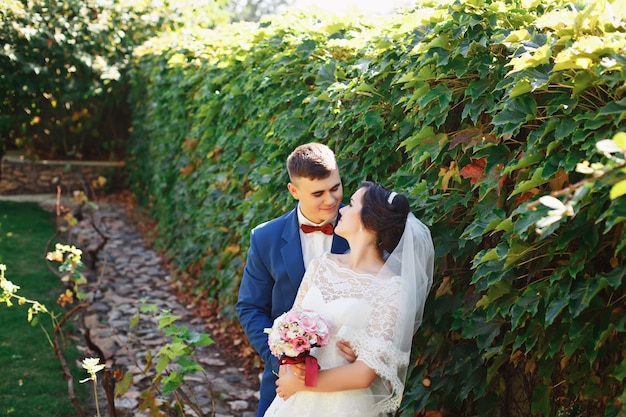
(391, 197)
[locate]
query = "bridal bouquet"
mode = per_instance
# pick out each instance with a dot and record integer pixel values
(293, 335)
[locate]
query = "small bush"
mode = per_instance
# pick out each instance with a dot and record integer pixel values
(64, 69)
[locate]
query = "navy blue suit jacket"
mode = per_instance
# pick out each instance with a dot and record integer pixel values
(272, 275)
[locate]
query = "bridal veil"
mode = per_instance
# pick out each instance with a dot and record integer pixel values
(411, 265)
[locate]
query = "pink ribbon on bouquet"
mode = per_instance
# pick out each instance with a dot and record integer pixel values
(310, 366)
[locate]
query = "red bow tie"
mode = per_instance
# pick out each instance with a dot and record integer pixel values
(326, 229)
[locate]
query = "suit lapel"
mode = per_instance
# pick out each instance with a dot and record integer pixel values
(292, 249)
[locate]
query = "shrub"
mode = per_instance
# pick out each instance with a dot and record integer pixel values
(64, 71)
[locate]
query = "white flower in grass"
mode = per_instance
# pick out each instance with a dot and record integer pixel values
(559, 210)
(8, 286)
(93, 366)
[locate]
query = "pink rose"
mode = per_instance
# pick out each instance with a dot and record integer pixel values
(301, 344)
(309, 325)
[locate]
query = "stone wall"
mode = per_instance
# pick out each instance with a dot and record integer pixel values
(22, 176)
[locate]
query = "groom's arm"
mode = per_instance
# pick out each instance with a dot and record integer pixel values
(254, 303)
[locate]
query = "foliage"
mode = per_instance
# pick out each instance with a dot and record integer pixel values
(474, 109)
(254, 10)
(32, 382)
(174, 361)
(64, 70)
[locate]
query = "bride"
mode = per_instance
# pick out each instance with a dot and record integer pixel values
(372, 297)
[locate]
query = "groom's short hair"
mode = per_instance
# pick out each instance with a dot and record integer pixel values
(314, 161)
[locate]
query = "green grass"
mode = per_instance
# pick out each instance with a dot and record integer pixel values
(32, 382)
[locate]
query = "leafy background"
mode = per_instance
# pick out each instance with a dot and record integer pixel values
(474, 109)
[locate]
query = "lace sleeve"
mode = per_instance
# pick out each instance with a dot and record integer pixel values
(379, 344)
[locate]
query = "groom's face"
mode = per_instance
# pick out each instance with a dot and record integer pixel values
(319, 199)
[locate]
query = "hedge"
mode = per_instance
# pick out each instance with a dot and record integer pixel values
(474, 109)
(64, 70)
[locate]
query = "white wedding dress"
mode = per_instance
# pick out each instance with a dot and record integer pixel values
(363, 310)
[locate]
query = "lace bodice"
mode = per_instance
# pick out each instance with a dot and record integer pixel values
(362, 309)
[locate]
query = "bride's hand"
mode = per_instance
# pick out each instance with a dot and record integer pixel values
(346, 351)
(288, 383)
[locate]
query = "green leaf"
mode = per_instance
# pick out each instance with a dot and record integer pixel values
(535, 181)
(484, 331)
(614, 278)
(326, 73)
(161, 364)
(364, 88)
(505, 225)
(495, 366)
(520, 88)
(441, 94)
(518, 250)
(555, 308)
(166, 318)
(515, 113)
(538, 57)
(134, 321)
(407, 77)
(373, 120)
(525, 161)
(618, 189)
(541, 400)
(528, 303)
(516, 36)
(482, 224)
(565, 128)
(582, 81)
(199, 339)
(614, 107)
(188, 366)
(171, 382)
(583, 291)
(619, 372)
(426, 141)
(122, 386)
(620, 139)
(148, 308)
(499, 289)
(485, 256)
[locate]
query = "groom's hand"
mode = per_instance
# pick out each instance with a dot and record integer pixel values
(297, 369)
(346, 351)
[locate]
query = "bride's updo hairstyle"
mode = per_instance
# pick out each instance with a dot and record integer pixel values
(385, 213)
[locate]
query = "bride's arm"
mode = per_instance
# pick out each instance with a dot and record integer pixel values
(355, 375)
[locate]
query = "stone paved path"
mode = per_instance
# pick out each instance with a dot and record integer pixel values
(131, 274)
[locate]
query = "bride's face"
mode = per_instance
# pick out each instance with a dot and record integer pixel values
(350, 221)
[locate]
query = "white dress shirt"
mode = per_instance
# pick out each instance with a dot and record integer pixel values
(313, 244)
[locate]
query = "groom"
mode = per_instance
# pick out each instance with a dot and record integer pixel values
(281, 249)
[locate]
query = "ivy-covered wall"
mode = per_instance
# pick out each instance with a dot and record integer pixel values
(476, 110)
